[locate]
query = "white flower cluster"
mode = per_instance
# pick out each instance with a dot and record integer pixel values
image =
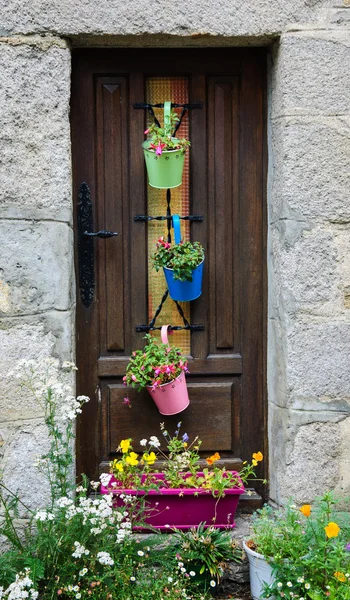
(96, 512)
(44, 515)
(105, 478)
(20, 588)
(80, 550)
(183, 460)
(104, 558)
(154, 441)
(72, 407)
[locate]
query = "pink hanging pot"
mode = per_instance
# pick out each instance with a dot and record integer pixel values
(170, 398)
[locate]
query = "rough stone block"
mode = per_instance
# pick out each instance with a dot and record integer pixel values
(318, 360)
(24, 444)
(30, 338)
(136, 17)
(308, 271)
(306, 454)
(35, 267)
(35, 163)
(310, 162)
(311, 74)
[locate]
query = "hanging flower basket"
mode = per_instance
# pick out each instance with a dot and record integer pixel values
(181, 507)
(182, 264)
(164, 154)
(160, 368)
(171, 398)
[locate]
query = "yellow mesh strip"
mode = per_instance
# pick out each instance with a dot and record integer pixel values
(174, 89)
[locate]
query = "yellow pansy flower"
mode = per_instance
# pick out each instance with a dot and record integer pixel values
(125, 445)
(150, 458)
(340, 576)
(258, 456)
(332, 530)
(131, 459)
(254, 462)
(306, 510)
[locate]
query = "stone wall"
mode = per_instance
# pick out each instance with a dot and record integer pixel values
(309, 210)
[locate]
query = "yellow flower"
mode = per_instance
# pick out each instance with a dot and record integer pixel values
(150, 458)
(211, 459)
(185, 444)
(117, 466)
(125, 445)
(258, 456)
(332, 530)
(254, 462)
(306, 510)
(131, 459)
(340, 576)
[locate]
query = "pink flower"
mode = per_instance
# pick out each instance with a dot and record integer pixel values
(146, 132)
(133, 377)
(159, 148)
(157, 371)
(126, 401)
(142, 368)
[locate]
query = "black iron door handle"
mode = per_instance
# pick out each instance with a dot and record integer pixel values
(86, 237)
(101, 234)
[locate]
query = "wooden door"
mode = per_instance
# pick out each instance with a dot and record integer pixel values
(225, 184)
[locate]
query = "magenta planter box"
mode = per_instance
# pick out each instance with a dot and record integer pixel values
(183, 508)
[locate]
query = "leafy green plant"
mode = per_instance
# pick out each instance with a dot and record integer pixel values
(155, 365)
(79, 545)
(182, 258)
(162, 137)
(205, 550)
(312, 560)
(278, 534)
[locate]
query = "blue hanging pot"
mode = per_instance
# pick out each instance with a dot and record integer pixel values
(183, 291)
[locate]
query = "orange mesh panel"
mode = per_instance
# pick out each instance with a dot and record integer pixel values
(174, 89)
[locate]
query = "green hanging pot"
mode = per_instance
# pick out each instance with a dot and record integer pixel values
(164, 170)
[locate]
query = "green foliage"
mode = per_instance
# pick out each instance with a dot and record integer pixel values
(205, 550)
(80, 545)
(311, 559)
(180, 466)
(182, 258)
(161, 137)
(155, 365)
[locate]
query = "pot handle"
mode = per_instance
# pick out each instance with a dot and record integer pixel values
(167, 113)
(164, 333)
(177, 228)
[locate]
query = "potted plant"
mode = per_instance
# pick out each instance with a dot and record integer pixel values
(182, 264)
(311, 558)
(277, 535)
(161, 369)
(205, 551)
(165, 154)
(182, 495)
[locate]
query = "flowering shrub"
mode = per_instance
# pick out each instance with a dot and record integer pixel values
(180, 466)
(155, 365)
(309, 551)
(161, 137)
(80, 546)
(182, 258)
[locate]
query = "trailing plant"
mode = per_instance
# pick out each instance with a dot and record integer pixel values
(161, 138)
(182, 258)
(155, 365)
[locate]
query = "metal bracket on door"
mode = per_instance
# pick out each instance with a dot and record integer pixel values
(86, 245)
